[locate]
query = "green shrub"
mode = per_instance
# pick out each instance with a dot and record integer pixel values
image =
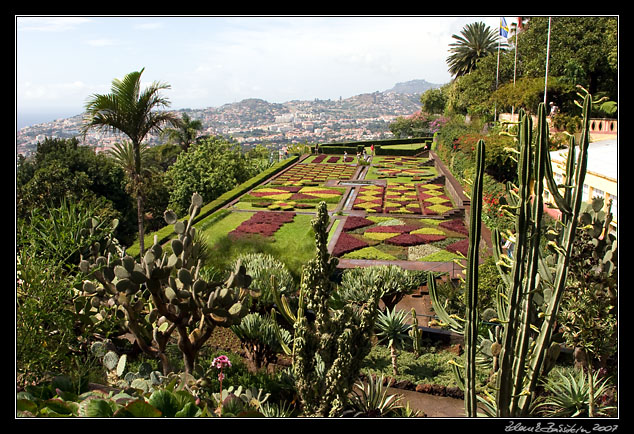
(262, 267)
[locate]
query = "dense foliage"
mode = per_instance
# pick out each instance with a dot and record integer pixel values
(210, 167)
(583, 51)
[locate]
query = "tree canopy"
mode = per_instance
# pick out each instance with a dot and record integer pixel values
(583, 51)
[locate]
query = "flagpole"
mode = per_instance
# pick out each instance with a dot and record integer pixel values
(547, 55)
(497, 69)
(517, 30)
(497, 74)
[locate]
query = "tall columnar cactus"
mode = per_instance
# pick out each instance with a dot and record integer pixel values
(533, 285)
(416, 334)
(470, 324)
(163, 293)
(471, 292)
(328, 350)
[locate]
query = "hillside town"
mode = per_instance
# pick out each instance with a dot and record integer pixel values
(255, 121)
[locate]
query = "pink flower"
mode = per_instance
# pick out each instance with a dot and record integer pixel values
(221, 362)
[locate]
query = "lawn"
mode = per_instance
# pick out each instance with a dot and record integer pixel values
(292, 242)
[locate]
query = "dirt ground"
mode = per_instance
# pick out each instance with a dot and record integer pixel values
(431, 405)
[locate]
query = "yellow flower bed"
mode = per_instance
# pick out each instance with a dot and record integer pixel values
(380, 236)
(429, 231)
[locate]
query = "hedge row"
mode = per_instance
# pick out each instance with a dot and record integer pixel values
(165, 233)
(339, 149)
(393, 150)
(358, 146)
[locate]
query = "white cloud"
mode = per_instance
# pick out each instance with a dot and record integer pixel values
(149, 26)
(102, 42)
(49, 24)
(68, 94)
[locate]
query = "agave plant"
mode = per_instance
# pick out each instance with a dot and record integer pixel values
(569, 395)
(372, 399)
(273, 409)
(260, 337)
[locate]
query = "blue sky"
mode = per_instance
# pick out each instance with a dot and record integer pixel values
(211, 61)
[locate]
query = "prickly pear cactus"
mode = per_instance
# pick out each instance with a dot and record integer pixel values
(162, 292)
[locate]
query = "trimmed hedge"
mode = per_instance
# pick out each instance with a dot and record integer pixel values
(165, 233)
(395, 150)
(358, 146)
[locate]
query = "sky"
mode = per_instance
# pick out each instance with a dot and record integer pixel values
(208, 61)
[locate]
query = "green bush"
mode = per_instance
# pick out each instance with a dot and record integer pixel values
(47, 244)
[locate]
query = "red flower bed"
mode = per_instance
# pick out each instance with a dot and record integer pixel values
(354, 222)
(289, 188)
(319, 158)
(300, 196)
(263, 223)
(333, 159)
(347, 243)
(348, 160)
(455, 225)
(461, 246)
(405, 240)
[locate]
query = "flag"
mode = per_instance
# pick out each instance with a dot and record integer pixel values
(504, 28)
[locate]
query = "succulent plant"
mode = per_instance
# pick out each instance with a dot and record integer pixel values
(162, 292)
(524, 348)
(329, 343)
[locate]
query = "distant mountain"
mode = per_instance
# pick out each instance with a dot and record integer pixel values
(413, 87)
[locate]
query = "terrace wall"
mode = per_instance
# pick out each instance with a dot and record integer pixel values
(454, 189)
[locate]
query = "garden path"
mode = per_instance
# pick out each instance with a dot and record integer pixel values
(432, 405)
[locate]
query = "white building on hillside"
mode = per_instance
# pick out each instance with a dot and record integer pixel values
(601, 177)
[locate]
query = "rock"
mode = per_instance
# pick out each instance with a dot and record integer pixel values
(423, 388)
(455, 392)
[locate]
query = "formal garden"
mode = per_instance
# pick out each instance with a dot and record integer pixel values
(172, 334)
(199, 279)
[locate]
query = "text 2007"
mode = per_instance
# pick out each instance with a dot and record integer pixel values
(606, 428)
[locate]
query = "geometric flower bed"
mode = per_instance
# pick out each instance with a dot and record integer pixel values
(409, 167)
(369, 198)
(433, 199)
(347, 243)
(314, 174)
(264, 223)
(288, 197)
(403, 198)
(323, 158)
(404, 238)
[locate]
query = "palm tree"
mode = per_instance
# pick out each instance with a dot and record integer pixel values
(185, 132)
(129, 110)
(477, 41)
